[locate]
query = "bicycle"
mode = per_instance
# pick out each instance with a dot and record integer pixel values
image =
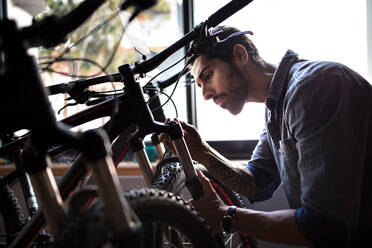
(167, 170)
(169, 175)
(78, 166)
(105, 105)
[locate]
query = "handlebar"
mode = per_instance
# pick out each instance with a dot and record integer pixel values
(53, 30)
(80, 93)
(226, 11)
(78, 87)
(150, 64)
(168, 82)
(212, 21)
(82, 84)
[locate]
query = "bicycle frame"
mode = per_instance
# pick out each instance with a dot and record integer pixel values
(119, 124)
(118, 129)
(35, 150)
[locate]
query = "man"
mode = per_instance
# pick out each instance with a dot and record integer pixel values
(317, 142)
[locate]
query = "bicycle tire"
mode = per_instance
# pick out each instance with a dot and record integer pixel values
(169, 176)
(90, 229)
(11, 212)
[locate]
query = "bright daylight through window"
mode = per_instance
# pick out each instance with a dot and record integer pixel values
(151, 32)
(333, 30)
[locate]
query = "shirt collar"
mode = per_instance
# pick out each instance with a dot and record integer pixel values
(279, 81)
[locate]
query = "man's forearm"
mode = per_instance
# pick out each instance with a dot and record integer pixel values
(236, 177)
(278, 226)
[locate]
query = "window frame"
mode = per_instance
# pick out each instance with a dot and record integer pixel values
(231, 149)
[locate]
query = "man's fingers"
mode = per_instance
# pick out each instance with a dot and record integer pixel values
(187, 128)
(166, 140)
(186, 125)
(205, 182)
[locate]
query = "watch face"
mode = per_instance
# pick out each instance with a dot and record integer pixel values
(228, 224)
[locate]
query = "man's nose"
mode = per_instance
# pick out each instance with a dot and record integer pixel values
(207, 93)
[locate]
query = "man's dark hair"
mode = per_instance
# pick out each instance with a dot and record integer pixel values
(224, 50)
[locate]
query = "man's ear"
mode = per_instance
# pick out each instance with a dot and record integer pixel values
(240, 55)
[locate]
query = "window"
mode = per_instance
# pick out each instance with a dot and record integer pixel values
(151, 32)
(316, 30)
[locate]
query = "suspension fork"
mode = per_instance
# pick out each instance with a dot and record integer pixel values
(174, 130)
(94, 146)
(45, 186)
(24, 180)
(96, 150)
(144, 163)
(144, 119)
(192, 181)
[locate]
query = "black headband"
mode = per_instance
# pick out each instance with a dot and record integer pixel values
(211, 40)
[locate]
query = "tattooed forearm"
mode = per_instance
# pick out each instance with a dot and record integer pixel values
(236, 178)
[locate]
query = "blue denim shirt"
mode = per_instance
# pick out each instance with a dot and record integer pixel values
(317, 142)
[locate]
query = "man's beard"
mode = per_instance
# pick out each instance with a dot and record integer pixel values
(238, 93)
(235, 107)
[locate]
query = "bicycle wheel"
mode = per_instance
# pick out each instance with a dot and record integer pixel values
(169, 176)
(12, 219)
(153, 207)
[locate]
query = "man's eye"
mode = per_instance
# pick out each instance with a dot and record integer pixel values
(208, 76)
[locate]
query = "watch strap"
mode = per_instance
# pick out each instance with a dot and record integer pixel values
(231, 212)
(228, 220)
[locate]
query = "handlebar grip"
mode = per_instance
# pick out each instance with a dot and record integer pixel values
(226, 11)
(54, 89)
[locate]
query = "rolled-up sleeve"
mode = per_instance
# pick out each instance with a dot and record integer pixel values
(325, 115)
(262, 166)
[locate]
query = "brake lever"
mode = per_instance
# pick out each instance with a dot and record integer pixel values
(79, 94)
(67, 105)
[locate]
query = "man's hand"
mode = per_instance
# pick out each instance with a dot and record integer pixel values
(210, 206)
(196, 145)
(167, 141)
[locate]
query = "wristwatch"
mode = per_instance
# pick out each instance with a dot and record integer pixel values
(228, 220)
